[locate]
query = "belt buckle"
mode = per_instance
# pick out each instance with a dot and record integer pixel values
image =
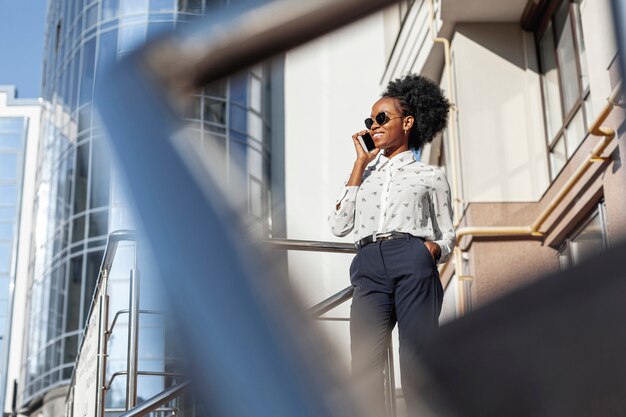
(377, 235)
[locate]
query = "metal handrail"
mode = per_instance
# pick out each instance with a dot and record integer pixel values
(126, 311)
(153, 403)
(332, 301)
(113, 241)
(311, 245)
(144, 373)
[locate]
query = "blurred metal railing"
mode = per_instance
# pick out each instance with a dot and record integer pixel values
(97, 328)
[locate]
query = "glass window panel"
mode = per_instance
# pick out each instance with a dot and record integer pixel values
(194, 108)
(128, 7)
(190, 6)
(582, 50)
(158, 28)
(256, 198)
(100, 175)
(255, 163)
(239, 89)
(78, 229)
(255, 124)
(7, 213)
(589, 242)
(80, 181)
(216, 89)
(221, 130)
(566, 54)
(6, 231)
(5, 257)
(215, 111)
(255, 94)
(550, 81)
(11, 124)
(151, 342)
(60, 301)
(130, 37)
(86, 82)
(575, 132)
(74, 78)
(4, 287)
(557, 157)
(213, 4)
(92, 16)
(8, 195)
(107, 52)
(162, 5)
(71, 348)
(11, 140)
(84, 118)
(238, 118)
(98, 223)
(8, 166)
(73, 294)
(109, 9)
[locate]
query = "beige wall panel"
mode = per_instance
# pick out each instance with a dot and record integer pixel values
(503, 266)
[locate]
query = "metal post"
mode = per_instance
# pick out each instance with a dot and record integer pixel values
(103, 338)
(133, 327)
(391, 382)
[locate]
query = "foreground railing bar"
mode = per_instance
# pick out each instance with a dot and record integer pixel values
(332, 302)
(311, 245)
(157, 401)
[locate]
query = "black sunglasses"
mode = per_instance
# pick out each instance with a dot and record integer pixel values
(381, 118)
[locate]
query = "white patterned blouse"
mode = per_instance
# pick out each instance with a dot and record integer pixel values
(399, 194)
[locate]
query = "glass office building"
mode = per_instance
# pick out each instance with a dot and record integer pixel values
(76, 190)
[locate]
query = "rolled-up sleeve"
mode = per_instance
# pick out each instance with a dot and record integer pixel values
(442, 204)
(341, 219)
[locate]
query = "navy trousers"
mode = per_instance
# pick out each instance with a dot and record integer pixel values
(394, 281)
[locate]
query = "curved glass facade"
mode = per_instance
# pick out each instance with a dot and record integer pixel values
(75, 194)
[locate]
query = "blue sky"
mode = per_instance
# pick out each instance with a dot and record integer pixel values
(21, 45)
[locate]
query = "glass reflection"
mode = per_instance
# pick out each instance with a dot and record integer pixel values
(77, 200)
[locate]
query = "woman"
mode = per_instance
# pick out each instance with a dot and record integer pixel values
(400, 212)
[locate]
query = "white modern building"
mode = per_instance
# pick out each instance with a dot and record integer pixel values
(19, 138)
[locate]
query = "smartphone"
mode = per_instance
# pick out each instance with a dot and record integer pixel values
(367, 142)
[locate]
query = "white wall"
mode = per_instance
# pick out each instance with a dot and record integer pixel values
(330, 86)
(503, 150)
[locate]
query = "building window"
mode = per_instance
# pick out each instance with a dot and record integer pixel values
(565, 82)
(589, 239)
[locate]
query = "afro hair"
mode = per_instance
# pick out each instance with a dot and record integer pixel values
(425, 101)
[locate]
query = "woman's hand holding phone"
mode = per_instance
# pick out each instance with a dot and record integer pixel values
(362, 153)
(362, 159)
